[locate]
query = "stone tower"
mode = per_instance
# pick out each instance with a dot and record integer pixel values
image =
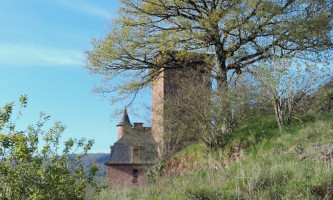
(167, 85)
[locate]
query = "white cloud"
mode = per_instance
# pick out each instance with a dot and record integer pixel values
(30, 55)
(84, 7)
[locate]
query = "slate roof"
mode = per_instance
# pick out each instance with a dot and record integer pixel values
(125, 119)
(123, 149)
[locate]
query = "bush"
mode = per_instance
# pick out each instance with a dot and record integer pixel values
(31, 166)
(154, 172)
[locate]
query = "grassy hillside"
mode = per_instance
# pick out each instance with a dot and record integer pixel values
(260, 162)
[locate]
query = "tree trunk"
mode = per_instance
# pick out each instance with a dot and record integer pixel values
(290, 108)
(279, 112)
(224, 115)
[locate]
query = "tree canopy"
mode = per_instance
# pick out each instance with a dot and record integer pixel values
(237, 33)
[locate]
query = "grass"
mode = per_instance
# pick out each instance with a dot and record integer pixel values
(273, 165)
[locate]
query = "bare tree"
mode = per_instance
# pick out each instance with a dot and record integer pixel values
(285, 83)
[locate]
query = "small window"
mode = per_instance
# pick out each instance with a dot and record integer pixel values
(136, 154)
(135, 175)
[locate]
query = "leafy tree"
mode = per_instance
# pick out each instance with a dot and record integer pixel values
(237, 33)
(31, 166)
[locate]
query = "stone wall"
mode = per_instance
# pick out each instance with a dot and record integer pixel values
(157, 110)
(168, 90)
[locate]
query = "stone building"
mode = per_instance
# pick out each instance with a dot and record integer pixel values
(132, 155)
(138, 147)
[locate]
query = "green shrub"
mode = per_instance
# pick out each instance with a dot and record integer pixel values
(31, 167)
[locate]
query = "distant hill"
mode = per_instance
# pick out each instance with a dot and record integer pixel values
(99, 158)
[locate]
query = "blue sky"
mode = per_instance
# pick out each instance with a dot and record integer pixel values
(41, 55)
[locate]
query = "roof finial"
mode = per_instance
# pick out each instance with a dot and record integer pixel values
(125, 119)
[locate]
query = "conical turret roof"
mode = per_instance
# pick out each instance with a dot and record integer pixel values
(124, 119)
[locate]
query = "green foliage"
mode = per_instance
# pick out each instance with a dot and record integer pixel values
(32, 165)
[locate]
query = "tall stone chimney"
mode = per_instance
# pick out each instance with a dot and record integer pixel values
(123, 125)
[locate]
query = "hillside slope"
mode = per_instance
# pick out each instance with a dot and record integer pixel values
(99, 159)
(259, 163)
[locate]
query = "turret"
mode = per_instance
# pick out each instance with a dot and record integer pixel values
(123, 125)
